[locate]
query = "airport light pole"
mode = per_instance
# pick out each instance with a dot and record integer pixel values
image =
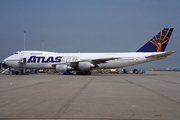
(42, 45)
(54, 48)
(24, 39)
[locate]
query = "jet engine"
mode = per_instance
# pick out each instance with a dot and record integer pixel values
(63, 68)
(85, 65)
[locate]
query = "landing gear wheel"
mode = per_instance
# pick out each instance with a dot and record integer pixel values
(83, 73)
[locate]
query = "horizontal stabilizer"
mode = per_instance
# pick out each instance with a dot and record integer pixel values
(162, 55)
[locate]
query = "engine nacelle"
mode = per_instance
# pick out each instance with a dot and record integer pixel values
(85, 65)
(63, 68)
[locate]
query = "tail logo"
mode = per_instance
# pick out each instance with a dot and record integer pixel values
(161, 38)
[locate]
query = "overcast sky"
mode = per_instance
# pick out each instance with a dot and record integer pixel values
(88, 26)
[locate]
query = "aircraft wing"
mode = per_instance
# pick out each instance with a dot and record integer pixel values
(103, 60)
(162, 55)
(94, 61)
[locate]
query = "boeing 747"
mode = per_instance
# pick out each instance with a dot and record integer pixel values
(153, 50)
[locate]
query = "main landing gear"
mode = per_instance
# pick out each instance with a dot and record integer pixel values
(84, 72)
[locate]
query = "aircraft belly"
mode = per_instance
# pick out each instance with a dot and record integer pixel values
(35, 66)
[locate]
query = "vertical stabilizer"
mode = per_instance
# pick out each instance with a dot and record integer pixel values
(158, 43)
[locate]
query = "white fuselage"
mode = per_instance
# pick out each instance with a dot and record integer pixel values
(46, 60)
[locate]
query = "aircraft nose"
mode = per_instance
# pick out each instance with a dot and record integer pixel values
(8, 61)
(5, 61)
(11, 61)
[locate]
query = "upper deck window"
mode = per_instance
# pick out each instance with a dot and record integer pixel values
(35, 53)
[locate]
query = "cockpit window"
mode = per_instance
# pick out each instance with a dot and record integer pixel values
(17, 52)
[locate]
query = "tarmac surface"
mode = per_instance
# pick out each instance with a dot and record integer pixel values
(154, 95)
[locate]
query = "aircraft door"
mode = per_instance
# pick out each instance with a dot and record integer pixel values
(24, 61)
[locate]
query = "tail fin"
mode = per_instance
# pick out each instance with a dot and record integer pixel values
(158, 43)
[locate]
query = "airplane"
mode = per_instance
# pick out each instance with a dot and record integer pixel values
(83, 63)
